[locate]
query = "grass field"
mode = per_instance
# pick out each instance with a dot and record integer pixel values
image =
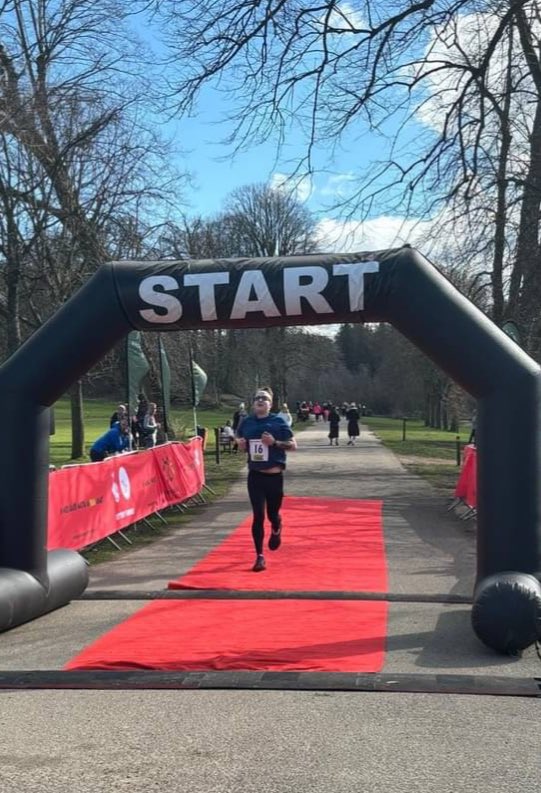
(97, 413)
(427, 452)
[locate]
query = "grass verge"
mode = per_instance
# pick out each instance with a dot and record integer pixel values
(425, 451)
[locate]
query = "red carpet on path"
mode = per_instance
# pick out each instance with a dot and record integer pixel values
(328, 544)
(274, 635)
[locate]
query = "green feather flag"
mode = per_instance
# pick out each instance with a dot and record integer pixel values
(199, 382)
(137, 366)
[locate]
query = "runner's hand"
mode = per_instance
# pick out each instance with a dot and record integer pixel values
(267, 439)
(241, 443)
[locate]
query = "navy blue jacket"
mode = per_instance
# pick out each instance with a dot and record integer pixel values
(252, 429)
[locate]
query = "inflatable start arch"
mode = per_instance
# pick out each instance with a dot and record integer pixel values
(397, 286)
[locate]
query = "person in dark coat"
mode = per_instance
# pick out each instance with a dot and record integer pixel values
(352, 416)
(334, 426)
(120, 413)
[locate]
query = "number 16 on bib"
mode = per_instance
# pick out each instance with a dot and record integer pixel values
(259, 453)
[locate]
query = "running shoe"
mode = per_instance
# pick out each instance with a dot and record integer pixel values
(275, 538)
(259, 564)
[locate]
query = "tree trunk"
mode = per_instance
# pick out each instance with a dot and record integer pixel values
(524, 302)
(443, 416)
(13, 278)
(12, 304)
(437, 413)
(77, 420)
(501, 201)
(272, 343)
(427, 407)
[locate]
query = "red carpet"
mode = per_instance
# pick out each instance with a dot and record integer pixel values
(277, 635)
(328, 544)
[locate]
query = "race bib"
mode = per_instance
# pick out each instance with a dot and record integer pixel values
(259, 453)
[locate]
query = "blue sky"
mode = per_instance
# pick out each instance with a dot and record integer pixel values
(216, 169)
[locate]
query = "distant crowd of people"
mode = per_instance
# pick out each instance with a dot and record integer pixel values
(352, 414)
(324, 411)
(126, 433)
(333, 414)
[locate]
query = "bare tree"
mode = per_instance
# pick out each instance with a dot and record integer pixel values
(265, 221)
(75, 157)
(331, 67)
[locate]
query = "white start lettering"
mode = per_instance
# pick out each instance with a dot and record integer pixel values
(306, 283)
(172, 307)
(207, 296)
(355, 273)
(310, 290)
(253, 281)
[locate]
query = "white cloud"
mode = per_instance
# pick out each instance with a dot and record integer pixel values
(300, 187)
(370, 235)
(344, 18)
(338, 185)
(464, 41)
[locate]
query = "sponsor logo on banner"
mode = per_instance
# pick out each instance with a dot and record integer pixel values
(84, 504)
(88, 503)
(119, 488)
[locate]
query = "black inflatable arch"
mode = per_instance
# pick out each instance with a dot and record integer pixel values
(397, 286)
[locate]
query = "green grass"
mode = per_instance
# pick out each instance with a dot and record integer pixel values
(427, 452)
(97, 413)
(420, 441)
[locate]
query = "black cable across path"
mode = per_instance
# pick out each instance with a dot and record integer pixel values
(479, 685)
(283, 594)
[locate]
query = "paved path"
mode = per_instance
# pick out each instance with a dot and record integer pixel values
(221, 741)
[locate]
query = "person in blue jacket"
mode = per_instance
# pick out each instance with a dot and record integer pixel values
(266, 438)
(115, 440)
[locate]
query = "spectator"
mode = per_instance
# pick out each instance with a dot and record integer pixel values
(286, 415)
(114, 441)
(227, 433)
(150, 427)
(238, 417)
(334, 426)
(120, 413)
(352, 416)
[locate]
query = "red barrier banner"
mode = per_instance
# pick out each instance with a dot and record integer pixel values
(181, 469)
(89, 502)
(466, 487)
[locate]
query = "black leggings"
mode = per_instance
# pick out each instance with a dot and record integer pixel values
(265, 489)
